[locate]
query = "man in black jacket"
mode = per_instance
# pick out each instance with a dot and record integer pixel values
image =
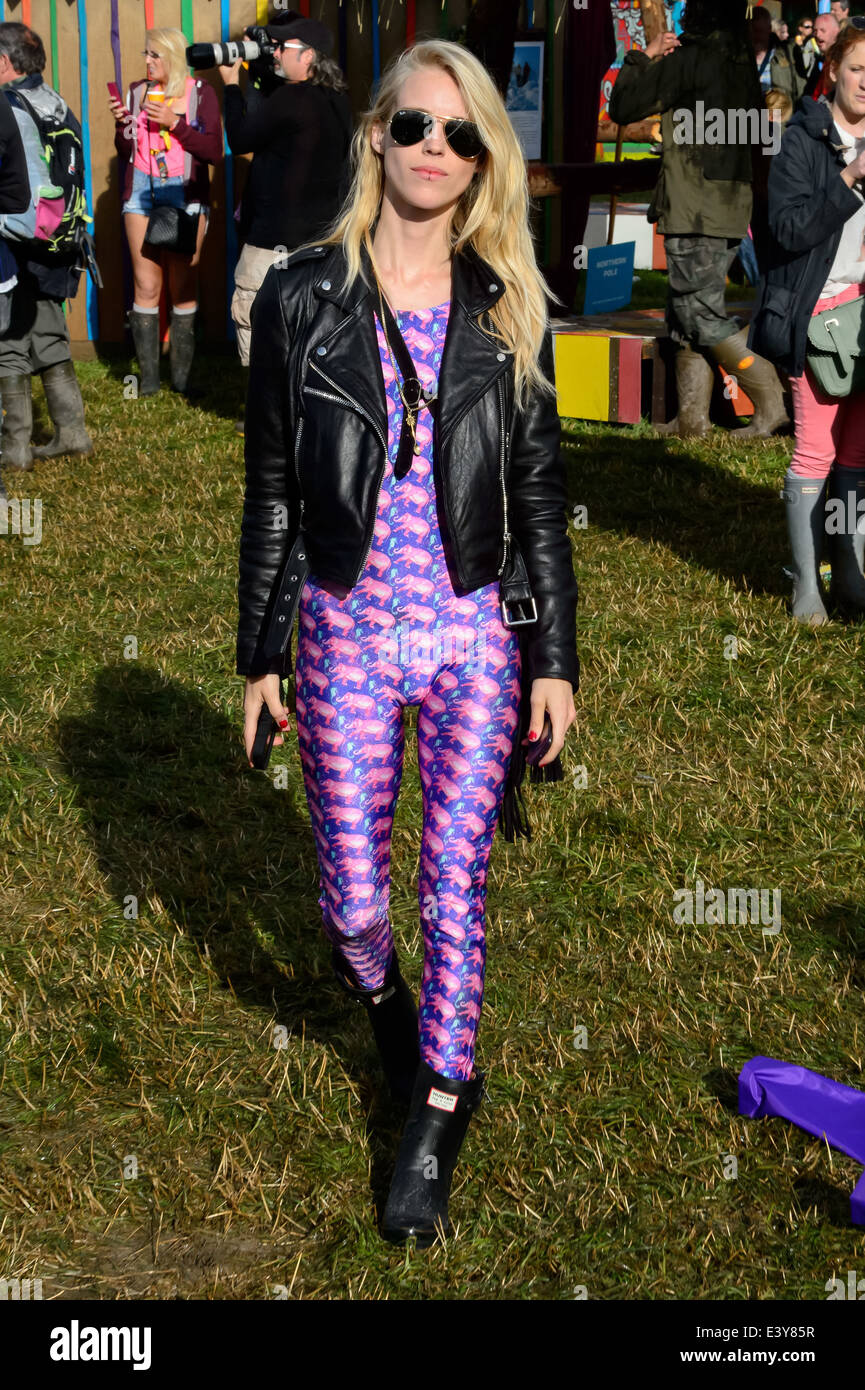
(299, 134)
(703, 200)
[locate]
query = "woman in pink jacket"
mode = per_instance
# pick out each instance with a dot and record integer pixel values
(168, 134)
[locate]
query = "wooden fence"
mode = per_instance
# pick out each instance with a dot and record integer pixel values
(92, 42)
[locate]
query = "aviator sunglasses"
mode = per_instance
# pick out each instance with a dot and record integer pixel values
(410, 127)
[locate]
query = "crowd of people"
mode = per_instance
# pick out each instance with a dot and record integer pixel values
(793, 211)
(405, 500)
(294, 120)
(395, 327)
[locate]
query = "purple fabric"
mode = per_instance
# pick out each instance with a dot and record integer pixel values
(402, 637)
(826, 1109)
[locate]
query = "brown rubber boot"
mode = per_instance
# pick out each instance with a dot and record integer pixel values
(694, 381)
(758, 380)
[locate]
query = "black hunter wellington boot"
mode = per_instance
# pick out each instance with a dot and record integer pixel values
(847, 586)
(181, 353)
(393, 1015)
(434, 1132)
(145, 337)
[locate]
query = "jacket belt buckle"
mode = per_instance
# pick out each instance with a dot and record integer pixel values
(505, 604)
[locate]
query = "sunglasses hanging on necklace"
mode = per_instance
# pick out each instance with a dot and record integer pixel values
(411, 393)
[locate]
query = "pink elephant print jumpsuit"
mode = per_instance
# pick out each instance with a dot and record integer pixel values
(401, 637)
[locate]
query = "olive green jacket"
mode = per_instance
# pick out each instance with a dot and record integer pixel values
(704, 188)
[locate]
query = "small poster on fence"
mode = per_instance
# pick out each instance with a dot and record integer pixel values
(610, 278)
(524, 100)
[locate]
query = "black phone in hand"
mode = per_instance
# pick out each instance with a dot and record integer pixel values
(265, 732)
(539, 749)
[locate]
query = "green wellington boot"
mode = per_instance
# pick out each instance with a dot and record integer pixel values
(66, 408)
(758, 380)
(694, 382)
(17, 403)
(805, 502)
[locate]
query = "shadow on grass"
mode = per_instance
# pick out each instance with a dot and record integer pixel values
(638, 486)
(217, 375)
(178, 819)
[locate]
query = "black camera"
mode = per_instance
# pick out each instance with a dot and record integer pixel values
(259, 45)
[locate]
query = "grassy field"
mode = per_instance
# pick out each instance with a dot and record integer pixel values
(188, 1105)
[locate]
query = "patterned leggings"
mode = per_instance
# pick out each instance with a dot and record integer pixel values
(402, 637)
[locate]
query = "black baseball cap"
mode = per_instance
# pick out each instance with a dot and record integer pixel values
(308, 31)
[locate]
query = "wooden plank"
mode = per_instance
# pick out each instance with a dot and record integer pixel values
(69, 87)
(654, 18)
(630, 401)
(659, 384)
(629, 176)
(614, 363)
(639, 133)
(107, 226)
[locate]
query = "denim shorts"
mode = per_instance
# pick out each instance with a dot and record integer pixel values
(166, 193)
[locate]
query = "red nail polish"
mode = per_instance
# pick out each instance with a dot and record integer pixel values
(283, 723)
(532, 734)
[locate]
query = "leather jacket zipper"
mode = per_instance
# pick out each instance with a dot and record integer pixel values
(341, 398)
(297, 438)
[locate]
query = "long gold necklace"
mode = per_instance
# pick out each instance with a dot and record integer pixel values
(411, 411)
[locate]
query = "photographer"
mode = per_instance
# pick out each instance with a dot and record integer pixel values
(299, 135)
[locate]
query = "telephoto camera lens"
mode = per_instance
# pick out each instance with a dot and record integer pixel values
(212, 55)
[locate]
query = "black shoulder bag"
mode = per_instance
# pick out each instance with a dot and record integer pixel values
(169, 228)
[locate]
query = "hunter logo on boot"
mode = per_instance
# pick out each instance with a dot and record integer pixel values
(441, 1100)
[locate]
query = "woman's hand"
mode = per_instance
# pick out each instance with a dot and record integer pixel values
(262, 690)
(160, 112)
(118, 110)
(557, 696)
(662, 44)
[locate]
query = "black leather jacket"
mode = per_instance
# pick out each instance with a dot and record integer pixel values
(316, 428)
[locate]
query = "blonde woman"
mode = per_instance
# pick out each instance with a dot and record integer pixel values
(167, 135)
(405, 479)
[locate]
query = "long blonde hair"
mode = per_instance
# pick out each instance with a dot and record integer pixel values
(171, 45)
(491, 216)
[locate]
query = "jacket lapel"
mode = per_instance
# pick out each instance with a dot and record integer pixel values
(471, 360)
